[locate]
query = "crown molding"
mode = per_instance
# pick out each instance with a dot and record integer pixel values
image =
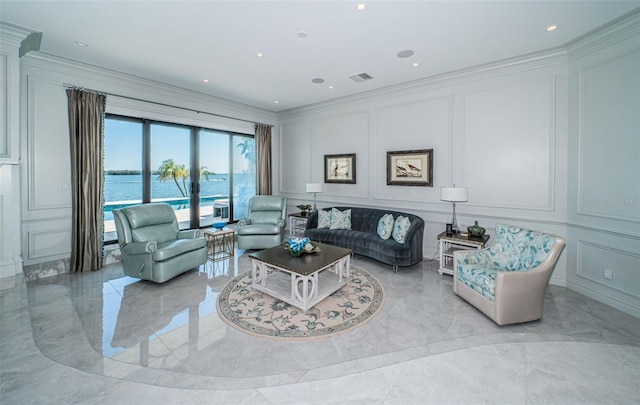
(500, 68)
(133, 86)
(624, 27)
(12, 34)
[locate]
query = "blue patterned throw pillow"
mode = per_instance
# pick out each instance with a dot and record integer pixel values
(340, 219)
(400, 228)
(324, 219)
(385, 226)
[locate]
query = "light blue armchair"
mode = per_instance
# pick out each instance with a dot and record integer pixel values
(264, 226)
(508, 280)
(153, 248)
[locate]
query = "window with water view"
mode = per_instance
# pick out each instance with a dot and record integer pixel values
(149, 161)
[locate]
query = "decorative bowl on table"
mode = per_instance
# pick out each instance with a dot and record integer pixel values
(219, 225)
(298, 246)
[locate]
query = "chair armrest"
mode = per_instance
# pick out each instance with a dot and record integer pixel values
(189, 234)
(136, 248)
(519, 295)
(243, 222)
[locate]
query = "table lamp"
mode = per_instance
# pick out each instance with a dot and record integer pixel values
(314, 188)
(454, 194)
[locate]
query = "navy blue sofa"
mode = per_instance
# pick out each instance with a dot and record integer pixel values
(363, 238)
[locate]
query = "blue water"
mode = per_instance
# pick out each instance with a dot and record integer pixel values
(124, 190)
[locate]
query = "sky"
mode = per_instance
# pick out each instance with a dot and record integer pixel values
(123, 146)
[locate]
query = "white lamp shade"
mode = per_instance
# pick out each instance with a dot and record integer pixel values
(314, 187)
(454, 194)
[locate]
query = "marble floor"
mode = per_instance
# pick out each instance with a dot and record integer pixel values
(104, 338)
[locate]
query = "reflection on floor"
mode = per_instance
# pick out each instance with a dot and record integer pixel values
(106, 338)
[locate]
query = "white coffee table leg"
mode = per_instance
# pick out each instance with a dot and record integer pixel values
(304, 289)
(343, 268)
(258, 273)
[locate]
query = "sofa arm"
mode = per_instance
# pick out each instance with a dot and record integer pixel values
(312, 220)
(281, 223)
(243, 222)
(190, 234)
(137, 248)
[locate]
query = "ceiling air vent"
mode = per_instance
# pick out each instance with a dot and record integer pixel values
(362, 77)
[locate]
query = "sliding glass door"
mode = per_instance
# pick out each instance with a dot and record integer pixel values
(122, 168)
(244, 174)
(206, 175)
(214, 180)
(170, 177)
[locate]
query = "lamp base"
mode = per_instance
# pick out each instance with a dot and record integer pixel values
(454, 221)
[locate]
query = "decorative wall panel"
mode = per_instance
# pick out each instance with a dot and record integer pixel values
(594, 258)
(49, 167)
(50, 242)
(342, 134)
(508, 141)
(421, 124)
(609, 136)
(295, 157)
(4, 93)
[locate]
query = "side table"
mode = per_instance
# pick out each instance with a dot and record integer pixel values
(297, 224)
(458, 241)
(221, 244)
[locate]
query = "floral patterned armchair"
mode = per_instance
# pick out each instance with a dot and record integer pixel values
(508, 280)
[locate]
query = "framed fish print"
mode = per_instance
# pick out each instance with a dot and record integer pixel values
(410, 168)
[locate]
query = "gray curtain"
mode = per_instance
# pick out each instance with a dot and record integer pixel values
(86, 132)
(263, 149)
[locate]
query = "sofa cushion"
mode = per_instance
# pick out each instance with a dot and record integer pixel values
(324, 219)
(478, 278)
(167, 250)
(400, 228)
(385, 226)
(340, 219)
(517, 249)
(259, 229)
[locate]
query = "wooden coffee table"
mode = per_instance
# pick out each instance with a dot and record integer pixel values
(301, 281)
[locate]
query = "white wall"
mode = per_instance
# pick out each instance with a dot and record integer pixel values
(604, 166)
(551, 142)
(46, 189)
(494, 130)
(10, 249)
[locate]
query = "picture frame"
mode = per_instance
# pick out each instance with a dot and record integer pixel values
(340, 168)
(410, 168)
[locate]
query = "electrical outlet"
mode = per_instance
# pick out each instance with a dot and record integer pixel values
(608, 274)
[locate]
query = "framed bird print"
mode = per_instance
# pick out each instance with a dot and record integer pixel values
(340, 168)
(410, 168)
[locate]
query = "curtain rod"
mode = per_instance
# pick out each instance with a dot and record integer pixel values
(71, 86)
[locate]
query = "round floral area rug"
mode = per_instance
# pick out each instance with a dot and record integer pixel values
(259, 314)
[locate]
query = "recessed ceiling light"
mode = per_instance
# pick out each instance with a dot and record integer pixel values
(330, 87)
(405, 54)
(552, 28)
(415, 64)
(205, 80)
(302, 34)
(276, 102)
(361, 6)
(259, 54)
(81, 44)
(317, 80)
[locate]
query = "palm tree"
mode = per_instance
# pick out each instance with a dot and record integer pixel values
(170, 170)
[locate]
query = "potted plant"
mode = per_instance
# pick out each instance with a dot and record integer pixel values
(304, 208)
